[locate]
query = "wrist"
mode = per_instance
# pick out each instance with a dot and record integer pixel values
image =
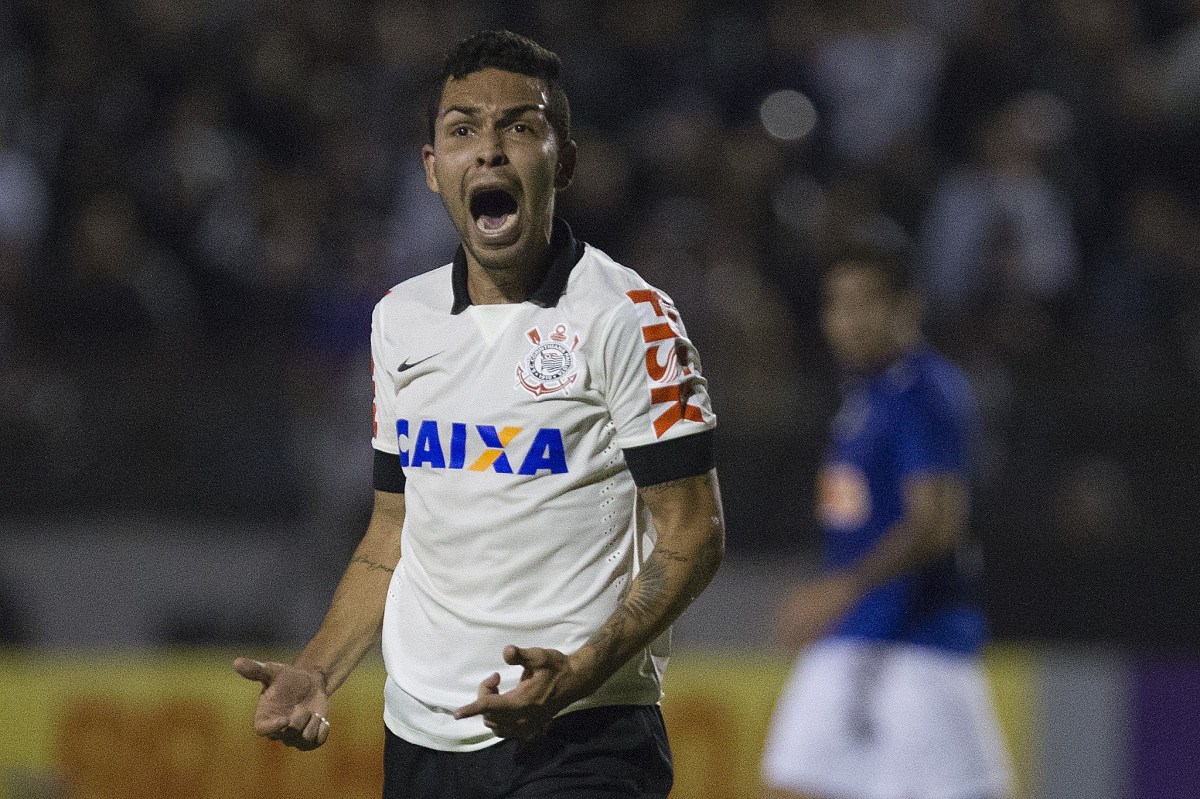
(318, 673)
(586, 669)
(853, 582)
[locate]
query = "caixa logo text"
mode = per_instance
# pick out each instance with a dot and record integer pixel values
(428, 445)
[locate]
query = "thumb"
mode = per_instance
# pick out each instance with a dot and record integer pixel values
(515, 656)
(255, 670)
(530, 657)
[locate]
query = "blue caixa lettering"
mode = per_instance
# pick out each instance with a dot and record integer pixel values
(421, 446)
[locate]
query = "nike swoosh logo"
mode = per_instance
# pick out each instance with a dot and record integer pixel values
(406, 365)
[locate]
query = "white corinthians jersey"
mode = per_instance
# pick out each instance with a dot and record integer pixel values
(518, 430)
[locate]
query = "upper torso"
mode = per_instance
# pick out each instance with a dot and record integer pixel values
(916, 419)
(522, 521)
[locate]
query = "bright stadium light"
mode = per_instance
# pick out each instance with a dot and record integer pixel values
(788, 115)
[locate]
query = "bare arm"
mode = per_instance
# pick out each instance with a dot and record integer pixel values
(935, 515)
(355, 619)
(295, 696)
(690, 546)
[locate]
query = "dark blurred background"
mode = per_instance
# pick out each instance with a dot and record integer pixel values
(200, 202)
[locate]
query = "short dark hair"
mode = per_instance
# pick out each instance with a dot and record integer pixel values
(878, 243)
(511, 52)
(892, 265)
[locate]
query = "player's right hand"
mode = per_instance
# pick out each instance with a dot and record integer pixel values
(809, 611)
(292, 705)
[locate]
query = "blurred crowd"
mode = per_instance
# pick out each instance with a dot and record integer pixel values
(201, 202)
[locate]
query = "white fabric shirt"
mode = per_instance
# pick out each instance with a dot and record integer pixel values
(522, 521)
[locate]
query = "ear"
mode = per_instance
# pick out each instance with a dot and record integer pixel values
(565, 170)
(429, 160)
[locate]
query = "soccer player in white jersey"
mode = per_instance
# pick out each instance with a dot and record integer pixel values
(545, 499)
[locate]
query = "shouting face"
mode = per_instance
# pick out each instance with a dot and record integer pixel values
(497, 163)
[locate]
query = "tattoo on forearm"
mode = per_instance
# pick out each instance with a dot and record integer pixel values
(646, 600)
(371, 564)
(668, 554)
(645, 596)
(604, 639)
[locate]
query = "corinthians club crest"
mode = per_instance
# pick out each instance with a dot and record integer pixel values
(550, 365)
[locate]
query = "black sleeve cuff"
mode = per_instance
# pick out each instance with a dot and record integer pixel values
(675, 459)
(388, 476)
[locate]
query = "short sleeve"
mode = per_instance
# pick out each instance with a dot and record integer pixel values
(653, 384)
(384, 406)
(387, 473)
(931, 435)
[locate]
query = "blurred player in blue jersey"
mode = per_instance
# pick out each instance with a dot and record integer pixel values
(888, 698)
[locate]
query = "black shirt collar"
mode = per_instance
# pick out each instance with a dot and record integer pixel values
(565, 252)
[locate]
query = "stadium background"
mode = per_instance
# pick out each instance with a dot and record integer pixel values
(200, 202)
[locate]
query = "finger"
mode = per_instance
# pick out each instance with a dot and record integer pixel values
(297, 741)
(299, 719)
(530, 657)
(271, 727)
(485, 704)
(255, 670)
(480, 705)
(316, 723)
(489, 686)
(269, 722)
(323, 732)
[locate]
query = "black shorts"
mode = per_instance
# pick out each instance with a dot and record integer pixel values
(598, 753)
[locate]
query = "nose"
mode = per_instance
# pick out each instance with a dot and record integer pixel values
(491, 150)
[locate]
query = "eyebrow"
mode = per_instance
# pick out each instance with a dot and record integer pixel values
(509, 113)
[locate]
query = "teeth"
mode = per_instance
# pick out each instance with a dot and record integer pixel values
(509, 221)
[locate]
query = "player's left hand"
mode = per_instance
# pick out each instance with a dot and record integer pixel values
(810, 610)
(549, 682)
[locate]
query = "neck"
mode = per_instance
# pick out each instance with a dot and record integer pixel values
(496, 286)
(510, 283)
(885, 360)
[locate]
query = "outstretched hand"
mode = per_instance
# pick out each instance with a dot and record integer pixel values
(808, 612)
(549, 682)
(292, 705)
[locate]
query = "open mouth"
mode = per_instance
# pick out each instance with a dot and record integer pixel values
(494, 210)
